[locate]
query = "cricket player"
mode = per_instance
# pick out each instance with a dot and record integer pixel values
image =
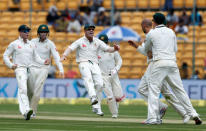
(45, 49)
(87, 57)
(163, 42)
(143, 86)
(23, 54)
(110, 64)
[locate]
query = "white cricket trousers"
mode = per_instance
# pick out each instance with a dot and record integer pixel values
(22, 77)
(37, 78)
(92, 78)
(169, 97)
(113, 90)
(166, 70)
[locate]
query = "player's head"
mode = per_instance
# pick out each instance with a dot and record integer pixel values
(43, 31)
(104, 38)
(89, 30)
(24, 31)
(146, 25)
(159, 18)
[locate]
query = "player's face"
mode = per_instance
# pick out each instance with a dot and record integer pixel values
(144, 28)
(43, 35)
(24, 35)
(89, 32)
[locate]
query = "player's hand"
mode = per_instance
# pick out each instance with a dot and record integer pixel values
(149, 54)
(132, 43)
(63, 58)
(47, 62)
(61, 74)
(113, 71)
(116, 47)
(14, 67)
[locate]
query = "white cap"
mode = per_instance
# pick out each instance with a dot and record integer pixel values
(101, 9)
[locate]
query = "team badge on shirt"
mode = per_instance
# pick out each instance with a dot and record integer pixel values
(83, 45)
(19, 47)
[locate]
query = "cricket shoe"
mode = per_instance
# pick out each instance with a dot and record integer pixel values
(93, 100)
(147, 122)
(98, 111)
(197, 120)
(33, 115)
(186, 119)
(28, 114)
(114, 116)
(163, 111)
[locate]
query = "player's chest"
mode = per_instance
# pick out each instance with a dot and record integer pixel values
(106, 57)
(23, 48)
(42, 48)
(86, 46)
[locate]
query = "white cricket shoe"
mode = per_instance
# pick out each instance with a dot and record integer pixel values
(28, 114)
(98, 111)
(149, 122)
(163, 111)
(186, 119)
(93, 100)
(114, 116)
(33, 115)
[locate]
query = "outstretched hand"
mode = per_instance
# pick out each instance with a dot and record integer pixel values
(116, 47)
(132, 43)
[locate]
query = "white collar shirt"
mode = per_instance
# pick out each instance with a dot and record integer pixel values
(109, 61)
(45, 50)
(23, 54)
(163, 42)
(88, 51)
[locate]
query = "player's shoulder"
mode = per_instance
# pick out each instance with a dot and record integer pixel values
(35, 40)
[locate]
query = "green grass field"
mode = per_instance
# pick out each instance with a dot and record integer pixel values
(56, 117)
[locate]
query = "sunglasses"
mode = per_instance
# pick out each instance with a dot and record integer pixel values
(26, 31)
(90, 29)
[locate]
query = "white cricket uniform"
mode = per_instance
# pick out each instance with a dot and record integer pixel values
(39, 72)
(163, 42)
(112, 87)
(87, 58)
(143, 87)
(23, 54)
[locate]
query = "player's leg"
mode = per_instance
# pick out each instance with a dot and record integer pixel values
(111, 101)
(143, 90)
(175, 83)
(88, 81)
(41, 75)
(172, 100)
(24, 107)
(117, 88)
(98, 82)
(154, 84)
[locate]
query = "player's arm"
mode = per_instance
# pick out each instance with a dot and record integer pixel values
(6, 56)
(148, 42)
(56, 56)
(69, 49)
(118, 61)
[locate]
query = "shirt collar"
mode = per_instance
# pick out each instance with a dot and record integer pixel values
(160, 26)
(21, 39)
(43, 41)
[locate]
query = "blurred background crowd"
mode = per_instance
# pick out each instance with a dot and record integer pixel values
(67, 17)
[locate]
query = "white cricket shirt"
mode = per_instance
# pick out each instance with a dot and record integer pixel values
(109, 61)
(88, 51)
(45, 50)
(23, 54)
(163, 42)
